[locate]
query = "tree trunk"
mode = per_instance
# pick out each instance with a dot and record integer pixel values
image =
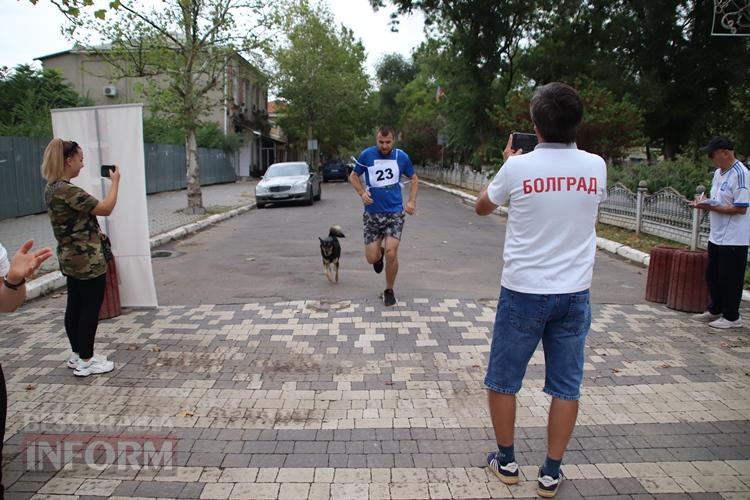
(313, 153)
(194, 195)
(670, 149)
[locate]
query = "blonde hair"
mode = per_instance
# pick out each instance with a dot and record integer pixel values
(53, 163)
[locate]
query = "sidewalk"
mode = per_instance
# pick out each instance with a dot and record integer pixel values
(164, 214)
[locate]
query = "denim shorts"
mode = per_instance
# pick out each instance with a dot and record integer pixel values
(560, 321)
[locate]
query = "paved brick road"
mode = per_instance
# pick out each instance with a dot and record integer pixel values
(348, 400)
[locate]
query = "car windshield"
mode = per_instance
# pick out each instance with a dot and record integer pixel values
(286, 170)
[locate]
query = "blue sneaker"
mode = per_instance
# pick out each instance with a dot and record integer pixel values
(547, 486)
(507, 473)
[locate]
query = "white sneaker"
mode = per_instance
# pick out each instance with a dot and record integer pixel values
(73, 360)
(724, 323)
(705, 317)
(94, 367)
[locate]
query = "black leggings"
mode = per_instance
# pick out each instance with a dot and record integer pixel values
(725, 276)
(85, 298)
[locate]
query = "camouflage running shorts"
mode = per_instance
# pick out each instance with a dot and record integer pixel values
(379, 225)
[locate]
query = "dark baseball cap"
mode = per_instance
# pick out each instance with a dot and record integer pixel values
(717, 143)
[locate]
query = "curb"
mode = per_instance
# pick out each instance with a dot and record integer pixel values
(52, 281)
(624, 251)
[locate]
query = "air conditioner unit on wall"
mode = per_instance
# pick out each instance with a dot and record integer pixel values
(110, 90)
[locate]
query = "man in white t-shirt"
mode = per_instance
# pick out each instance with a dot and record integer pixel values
(729, 236)
(553, 194)
(13, 273)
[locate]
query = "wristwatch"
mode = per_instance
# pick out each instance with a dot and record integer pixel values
(10, 285)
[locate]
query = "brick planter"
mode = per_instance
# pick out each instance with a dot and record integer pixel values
(688, 291)
(659, 271)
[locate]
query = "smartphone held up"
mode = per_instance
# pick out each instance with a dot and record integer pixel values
(107, 170)
(525, 142)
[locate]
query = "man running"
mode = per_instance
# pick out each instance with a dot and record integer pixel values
(383, 219)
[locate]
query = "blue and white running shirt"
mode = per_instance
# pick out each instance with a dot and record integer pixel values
(382, 177)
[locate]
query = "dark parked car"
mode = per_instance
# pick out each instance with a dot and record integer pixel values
(335, 169)
(288, 182)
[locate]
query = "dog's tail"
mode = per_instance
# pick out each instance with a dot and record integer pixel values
(336, 231)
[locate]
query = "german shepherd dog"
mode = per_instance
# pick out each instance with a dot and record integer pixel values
(331, 252)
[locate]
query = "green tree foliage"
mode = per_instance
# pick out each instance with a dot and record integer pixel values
(477, 43)
(662, 54)
(393, 73)
(321, 80)
(609, 128)
(26, 97)
(683, 174)
(182, 48)
(420, 120)
(158, 130)
(737, 122)
(72, 8)
(658, 55)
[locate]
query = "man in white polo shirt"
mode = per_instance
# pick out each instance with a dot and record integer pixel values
(729, 236)
(553, 194)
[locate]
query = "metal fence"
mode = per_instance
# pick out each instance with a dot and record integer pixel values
(21, 182)
(165, 167)
(665, 213)
(464, 177)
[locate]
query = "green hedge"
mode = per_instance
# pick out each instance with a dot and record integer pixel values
(683, 174)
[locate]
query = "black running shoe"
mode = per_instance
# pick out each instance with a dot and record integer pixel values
(547, 486)
(378, 266)
(389, 299)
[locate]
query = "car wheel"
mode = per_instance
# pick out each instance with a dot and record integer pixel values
(320, 192)
(260, 204)
(310, 198)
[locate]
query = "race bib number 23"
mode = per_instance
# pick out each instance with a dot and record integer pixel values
(383, 173)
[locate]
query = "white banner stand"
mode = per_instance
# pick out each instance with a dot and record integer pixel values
(113, 135)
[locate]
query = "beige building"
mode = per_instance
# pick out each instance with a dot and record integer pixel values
(241, 102)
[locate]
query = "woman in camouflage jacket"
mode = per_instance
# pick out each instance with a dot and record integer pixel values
(73, 212)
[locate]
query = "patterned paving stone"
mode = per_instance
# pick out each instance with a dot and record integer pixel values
(350, 400)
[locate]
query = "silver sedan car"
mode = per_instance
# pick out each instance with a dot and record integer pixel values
(288, 181)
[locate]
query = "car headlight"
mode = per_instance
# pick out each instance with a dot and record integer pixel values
(261, 189)
(300, 187)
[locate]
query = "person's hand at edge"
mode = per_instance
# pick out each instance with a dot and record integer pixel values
(23, 264)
